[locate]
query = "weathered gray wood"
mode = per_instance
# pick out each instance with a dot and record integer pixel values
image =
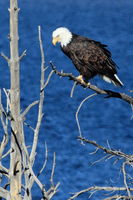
(4, 193)
(16, 128)
(19, 155)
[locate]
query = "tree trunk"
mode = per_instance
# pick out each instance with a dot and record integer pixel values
(16, 127)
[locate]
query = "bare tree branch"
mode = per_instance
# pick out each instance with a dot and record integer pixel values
(47, 195)
(41, 186)
(5, 57)
(45, 161)
(4, 171)
(99, 160)
(99, 189)
(30, 177)
(72, 90)
(48, 79)
(23, 54)
(109, 93)
(7, 153)
(28, 108)
(125, 178)
(40, 112)
(29, 126)
(53, 168)
(77, 112)
(5, 128)
(128, 158)
(53, 190)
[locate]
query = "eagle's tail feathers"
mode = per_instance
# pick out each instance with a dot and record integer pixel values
(115, 80)
(107, 79)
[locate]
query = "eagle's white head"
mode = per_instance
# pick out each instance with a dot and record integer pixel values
(61, 35)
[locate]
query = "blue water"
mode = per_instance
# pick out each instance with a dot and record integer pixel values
(102, 120)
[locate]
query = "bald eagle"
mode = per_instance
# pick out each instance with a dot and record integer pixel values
(90, 57)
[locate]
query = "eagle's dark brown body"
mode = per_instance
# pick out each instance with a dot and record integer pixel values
(91, 58)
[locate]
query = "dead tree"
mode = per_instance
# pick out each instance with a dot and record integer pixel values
(21, 161)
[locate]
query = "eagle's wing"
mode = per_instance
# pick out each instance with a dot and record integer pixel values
(93, 55)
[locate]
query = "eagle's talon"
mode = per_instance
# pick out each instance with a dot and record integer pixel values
(80, 79)
(88, 84)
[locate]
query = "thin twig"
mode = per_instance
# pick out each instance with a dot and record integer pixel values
(23, 54)
(51, 192)
(77, 112)
(45, 161)
(91, 193)
(7, 93)
(72, 90)
(108, 145)
(38, 182)
(53, 168)
(41, 186)
(91, 153)
(7, 153)
(109, 157)
(29, 126)
(5, 170)
(28, 108)
(99, 160)
(5, 57)
(48, 79)
(5, 128)
(132, 111)
(125, 181)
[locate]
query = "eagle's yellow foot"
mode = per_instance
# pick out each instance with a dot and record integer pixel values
(88, 84)
(80, 78)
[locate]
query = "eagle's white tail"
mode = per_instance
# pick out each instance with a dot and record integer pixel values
(115, 80)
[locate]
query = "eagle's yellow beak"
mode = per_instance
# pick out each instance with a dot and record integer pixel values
(55, 40)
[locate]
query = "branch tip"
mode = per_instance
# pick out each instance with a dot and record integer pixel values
(5, 57)
(23, 54)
